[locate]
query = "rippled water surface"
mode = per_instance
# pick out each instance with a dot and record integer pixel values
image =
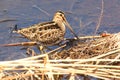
(81, 14)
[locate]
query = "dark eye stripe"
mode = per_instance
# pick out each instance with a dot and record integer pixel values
(60, 12)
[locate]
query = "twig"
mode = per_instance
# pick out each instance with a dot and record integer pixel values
(71, 6)
(19, 44)
(35, 6)
(7, 20)
(100, 18)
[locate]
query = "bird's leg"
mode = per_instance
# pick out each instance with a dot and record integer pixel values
(30, 51)
(41, 49)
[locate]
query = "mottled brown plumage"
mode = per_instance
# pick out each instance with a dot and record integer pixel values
(48, 33)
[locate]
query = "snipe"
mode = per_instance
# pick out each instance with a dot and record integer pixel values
(47, 33)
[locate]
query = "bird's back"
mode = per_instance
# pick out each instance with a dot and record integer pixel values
(48, 33)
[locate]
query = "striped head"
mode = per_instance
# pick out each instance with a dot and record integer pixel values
(59, 17)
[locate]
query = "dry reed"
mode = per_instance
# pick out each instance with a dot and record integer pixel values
(99, 59)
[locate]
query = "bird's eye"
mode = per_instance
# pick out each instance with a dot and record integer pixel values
(60, 14)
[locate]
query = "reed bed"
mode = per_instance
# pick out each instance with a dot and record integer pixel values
(97, 57)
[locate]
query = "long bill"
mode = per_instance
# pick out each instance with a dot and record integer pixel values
(68, 25)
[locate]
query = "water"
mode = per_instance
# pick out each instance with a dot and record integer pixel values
(80, 12)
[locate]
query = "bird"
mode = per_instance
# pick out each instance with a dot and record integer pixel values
(48, 33)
